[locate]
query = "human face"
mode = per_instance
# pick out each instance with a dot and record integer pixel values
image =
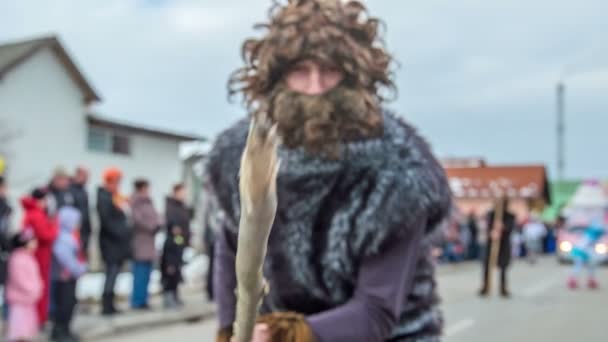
(113, 185)
(61, 182)
(309, 77)
(32, 245)
(42, 203)
(180, 195)
(82, 176)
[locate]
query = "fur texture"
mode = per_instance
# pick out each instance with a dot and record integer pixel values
(320, 123)
(330, 31)
(334, 213)
(282, 327)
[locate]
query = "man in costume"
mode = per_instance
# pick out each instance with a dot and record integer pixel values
(499, 232)
(359, 192)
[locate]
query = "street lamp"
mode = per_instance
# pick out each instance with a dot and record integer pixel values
(561, 130)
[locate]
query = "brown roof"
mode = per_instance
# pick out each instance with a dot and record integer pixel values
(14, 54)
(528, 181)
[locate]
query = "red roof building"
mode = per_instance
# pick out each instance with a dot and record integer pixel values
(476, 187)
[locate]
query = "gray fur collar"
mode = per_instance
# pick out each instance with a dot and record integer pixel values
(332, 214)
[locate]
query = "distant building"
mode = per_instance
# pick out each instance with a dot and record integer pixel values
(475, 188)
(46, 121)
(463, 162)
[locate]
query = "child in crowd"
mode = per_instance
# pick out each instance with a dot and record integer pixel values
(171, 265)
(24, 288)
(68, 266)
(45, 229)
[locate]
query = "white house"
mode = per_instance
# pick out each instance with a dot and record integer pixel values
(46, 121)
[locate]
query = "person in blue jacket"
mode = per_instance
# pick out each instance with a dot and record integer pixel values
(68, 265)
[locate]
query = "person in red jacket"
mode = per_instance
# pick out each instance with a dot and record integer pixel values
(46, 231)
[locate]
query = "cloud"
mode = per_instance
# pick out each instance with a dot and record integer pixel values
(471, 70)
(190, 18)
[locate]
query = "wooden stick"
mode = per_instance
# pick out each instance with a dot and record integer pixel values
(257, 187)
(495, 244)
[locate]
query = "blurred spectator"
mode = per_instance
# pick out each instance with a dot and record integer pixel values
(59, 192)
(114, 234)
(549, 240)
(177, 212)
(178, 217)
(454, 238)
(69, 264)
(171, 266)
(45, 229)
(146, 223)
(5, 220)
(5, 214)
(518, 247)
(499, 233)
(24, 288)
(534, 232)
(473, 247)
(78, 188)
(482, 237)
(454, 247)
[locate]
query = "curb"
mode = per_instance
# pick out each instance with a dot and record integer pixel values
(99, 327)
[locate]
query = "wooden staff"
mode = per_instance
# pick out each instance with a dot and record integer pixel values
(497, 225)
(257, 187)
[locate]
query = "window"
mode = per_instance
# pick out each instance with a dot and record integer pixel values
(109, 141)
(121, 144)
(98, 139)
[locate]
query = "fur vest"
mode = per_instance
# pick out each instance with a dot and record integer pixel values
(332, 214)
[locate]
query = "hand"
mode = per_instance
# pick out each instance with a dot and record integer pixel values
(495, 235)
(260, 333)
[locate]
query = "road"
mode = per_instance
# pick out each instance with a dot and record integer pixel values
(541, 309)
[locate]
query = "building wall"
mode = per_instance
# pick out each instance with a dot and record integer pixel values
(44, 108)
(151, 157)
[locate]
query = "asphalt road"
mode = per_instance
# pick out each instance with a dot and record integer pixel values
(541, 309)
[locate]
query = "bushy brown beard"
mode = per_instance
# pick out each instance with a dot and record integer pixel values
(320, 123)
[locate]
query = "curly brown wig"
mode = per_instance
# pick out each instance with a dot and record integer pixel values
(331, 32)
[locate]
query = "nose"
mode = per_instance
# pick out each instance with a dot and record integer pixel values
(315, 85)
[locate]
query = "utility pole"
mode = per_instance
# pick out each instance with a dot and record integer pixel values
(561, 130)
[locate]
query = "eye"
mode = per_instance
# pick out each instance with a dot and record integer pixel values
(297, 71)
(331, 69)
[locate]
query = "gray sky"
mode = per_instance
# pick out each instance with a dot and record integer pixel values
(477, 77)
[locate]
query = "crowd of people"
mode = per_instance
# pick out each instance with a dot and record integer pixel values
(42, 258)
(470, 237)
(466, 237)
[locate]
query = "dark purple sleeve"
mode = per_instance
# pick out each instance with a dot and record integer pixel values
(382, 285)
(224, 280)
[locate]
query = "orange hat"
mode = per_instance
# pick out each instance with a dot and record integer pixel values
(112, 174)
